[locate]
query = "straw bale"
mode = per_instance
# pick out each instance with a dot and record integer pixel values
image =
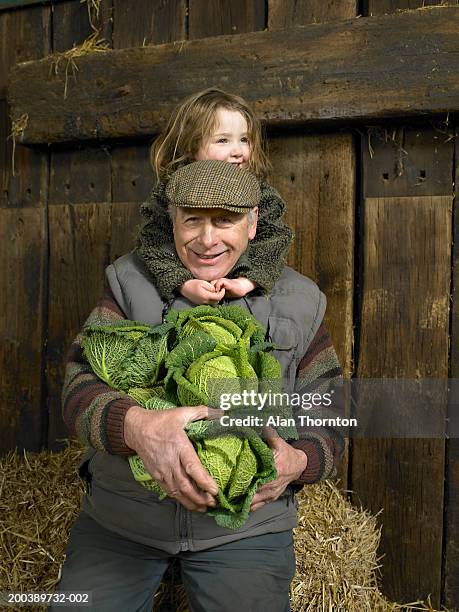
(336, 544)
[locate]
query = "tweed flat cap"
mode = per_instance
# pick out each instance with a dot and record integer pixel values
(214, 184)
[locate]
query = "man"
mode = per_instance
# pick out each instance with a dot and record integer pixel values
(122, 541)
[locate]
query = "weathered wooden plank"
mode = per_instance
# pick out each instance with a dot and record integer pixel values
(404, 334)
(289, 13)
(416, 163)
(25, 36)
(81, 175)
(132, 174)
(382, 7)
(126, 221)
(146, 22)
(74, 21)
(22, 290)
(451, 543)
(79, 251)
(327, 73)
(5, 153)
(138, 23)
(451, 592)
(390, 171)
(225, 17)
(316, 177)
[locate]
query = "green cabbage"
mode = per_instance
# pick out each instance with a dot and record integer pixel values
(125, 355)
(192, 358)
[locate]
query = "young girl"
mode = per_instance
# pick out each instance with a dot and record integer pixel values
(212, 124)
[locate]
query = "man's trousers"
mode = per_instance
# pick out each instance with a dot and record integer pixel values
(248, 575)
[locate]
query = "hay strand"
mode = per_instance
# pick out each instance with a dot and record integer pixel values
(18, 127)
(93, 12)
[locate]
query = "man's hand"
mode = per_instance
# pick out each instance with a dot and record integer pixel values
(290, 464)
(202, 292)
(160, 441)
(234, 287)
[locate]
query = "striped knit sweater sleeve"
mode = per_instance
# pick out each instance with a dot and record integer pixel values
(93, 411)
(319, 372)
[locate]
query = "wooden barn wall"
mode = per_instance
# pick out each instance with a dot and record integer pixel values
(405, 241)
(65, 213)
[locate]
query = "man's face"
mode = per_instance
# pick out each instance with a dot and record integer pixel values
(209, 241)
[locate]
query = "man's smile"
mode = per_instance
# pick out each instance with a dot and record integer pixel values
(208, 258)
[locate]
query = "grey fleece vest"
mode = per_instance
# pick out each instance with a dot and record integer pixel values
(292, 314)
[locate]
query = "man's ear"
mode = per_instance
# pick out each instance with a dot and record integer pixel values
(253, 224)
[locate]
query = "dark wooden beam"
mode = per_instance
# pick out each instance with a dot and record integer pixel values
(359, 69)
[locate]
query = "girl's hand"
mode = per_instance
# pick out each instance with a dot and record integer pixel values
(234, 287)
(201, 292)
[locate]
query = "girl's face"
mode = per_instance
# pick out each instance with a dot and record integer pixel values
(229, 141)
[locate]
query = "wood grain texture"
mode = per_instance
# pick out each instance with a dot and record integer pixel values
(404, 334)
(137, 23)
(5, 153)
(451, 576)
(147, 22)
(326, 74)
(132, 174)
(125, 224)
(382, 7)
(289, 13)
(79, 234)
(396, 164)
(225, 17)
(22, 292)
(80, 175)
(24, 36)
(79, 252)
(316, 177)
(451, 545)
(74, 22)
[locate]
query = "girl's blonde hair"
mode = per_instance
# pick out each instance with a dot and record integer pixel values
(193, 122)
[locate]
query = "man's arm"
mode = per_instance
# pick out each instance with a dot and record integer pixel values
(93, 411)
(112, 421)
(320, 371)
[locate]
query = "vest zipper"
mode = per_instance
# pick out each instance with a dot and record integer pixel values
(183, 523)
